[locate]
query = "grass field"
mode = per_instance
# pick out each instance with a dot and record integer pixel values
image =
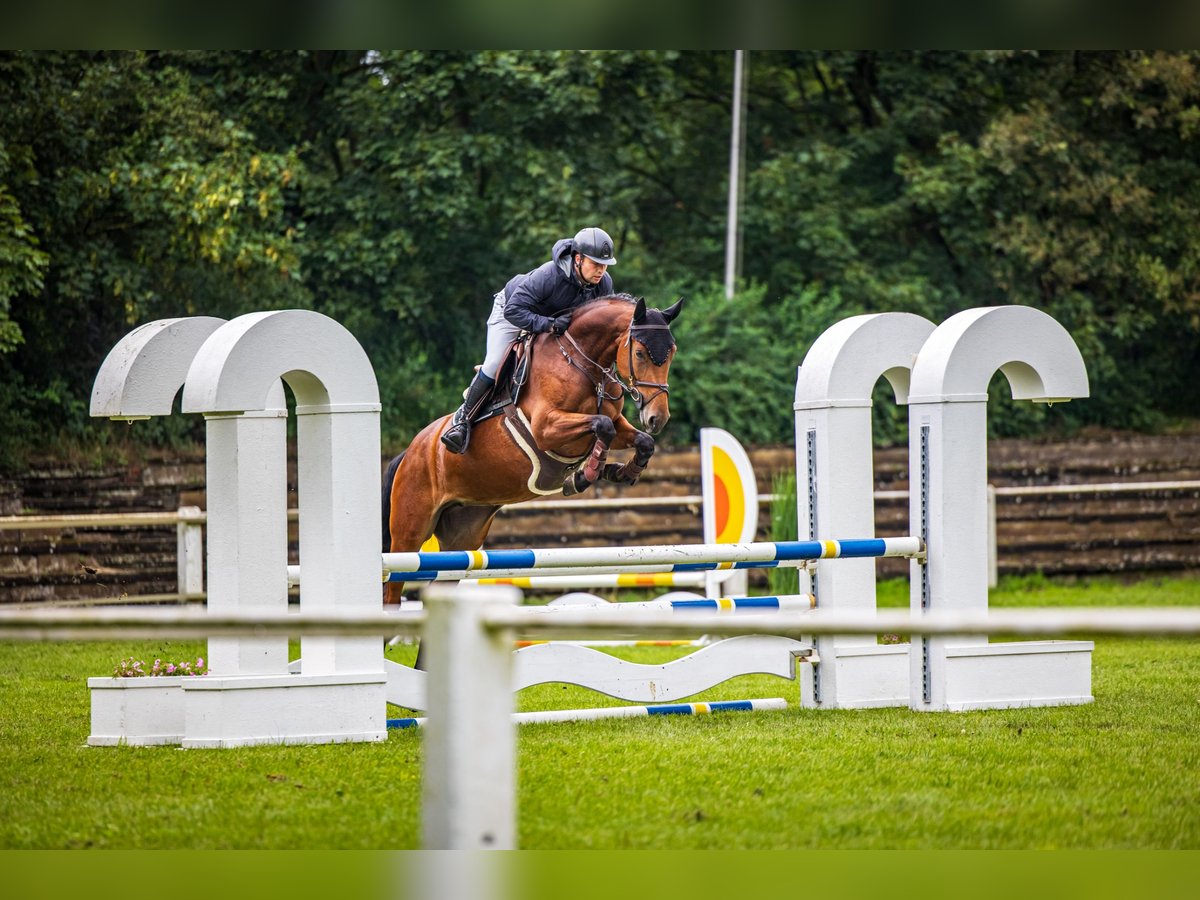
(1123, 772)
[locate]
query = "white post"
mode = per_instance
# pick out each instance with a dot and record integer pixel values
(189, 551)
(246, 464)
(339, 500)
(469, 783)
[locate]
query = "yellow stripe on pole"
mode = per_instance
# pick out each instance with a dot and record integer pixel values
(649, 579)
(520, 582)
(829, 549)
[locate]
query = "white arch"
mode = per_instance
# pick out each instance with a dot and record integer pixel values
(948, 502)
(835, 493)
(145, 370)
(1035, 353)
(337, 407)
(846, 361)
(320, 360)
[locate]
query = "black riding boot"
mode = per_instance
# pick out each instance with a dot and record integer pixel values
(458, 434)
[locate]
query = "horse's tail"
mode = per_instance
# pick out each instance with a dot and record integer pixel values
(388, 478)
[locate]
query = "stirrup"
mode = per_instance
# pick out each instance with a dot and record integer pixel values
(458, 435)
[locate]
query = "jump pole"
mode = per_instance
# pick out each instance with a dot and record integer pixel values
(623, 712)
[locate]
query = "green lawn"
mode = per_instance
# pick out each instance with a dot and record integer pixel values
(1123, 772)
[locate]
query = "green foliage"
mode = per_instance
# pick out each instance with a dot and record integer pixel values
(397, 191)
(784, 528)
(736, 366)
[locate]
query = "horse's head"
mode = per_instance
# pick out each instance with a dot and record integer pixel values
(648, 350)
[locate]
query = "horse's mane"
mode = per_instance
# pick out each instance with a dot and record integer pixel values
(657, 342)
(628, 298)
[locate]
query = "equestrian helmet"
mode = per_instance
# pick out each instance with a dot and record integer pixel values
(596, 245)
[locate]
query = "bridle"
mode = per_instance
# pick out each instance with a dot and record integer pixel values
(612, 375)
(631, 387)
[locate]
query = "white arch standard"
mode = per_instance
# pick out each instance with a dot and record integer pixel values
(948, 466)
(339, 694)
(835, 495)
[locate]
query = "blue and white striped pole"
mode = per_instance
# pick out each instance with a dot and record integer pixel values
(625, 712)
(457, 564)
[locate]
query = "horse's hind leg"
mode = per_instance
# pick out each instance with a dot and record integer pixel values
(464, 527)
(459, 528)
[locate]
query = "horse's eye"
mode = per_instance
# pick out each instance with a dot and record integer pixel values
(640, 355)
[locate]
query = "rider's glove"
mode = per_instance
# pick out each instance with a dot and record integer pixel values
(559, 325)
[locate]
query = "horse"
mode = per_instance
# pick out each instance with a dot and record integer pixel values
(570, 409)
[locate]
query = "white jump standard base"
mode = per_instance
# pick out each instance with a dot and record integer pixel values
(247, 710)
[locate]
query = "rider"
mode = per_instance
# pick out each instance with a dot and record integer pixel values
(541, 300)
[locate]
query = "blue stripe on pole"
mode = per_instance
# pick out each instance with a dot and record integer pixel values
(689, 709)
(738, 603)
(403, 723)
(444, 559)
(731, 706)
(798, 550)
(760, 602)
(760, 564)
(861, 548)
(423, 575)
(511, 559)
(671, 709)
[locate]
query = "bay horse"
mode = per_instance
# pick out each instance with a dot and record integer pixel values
(570, 407)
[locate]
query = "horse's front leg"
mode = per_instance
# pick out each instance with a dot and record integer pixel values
(558, 430)
(585, 476)
(643, 448)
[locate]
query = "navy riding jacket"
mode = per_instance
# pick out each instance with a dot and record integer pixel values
(551, 289)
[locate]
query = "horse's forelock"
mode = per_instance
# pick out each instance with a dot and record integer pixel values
(657, 341)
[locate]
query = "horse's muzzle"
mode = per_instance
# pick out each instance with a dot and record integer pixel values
(654, 422)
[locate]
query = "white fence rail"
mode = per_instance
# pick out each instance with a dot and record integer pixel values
(189, 521)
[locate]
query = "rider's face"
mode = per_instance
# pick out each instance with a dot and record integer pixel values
(589, 270)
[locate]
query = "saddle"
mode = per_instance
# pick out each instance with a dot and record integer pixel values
(550, 471)
(510, 378)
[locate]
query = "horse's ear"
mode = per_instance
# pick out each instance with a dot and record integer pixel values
(639, 311)
(672, 311)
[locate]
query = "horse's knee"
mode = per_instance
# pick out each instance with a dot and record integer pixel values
(604, 429)
(643, 447)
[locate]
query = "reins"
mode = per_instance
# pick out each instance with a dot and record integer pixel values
(606, 375)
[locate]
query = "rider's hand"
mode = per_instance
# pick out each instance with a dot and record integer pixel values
(559, 324)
